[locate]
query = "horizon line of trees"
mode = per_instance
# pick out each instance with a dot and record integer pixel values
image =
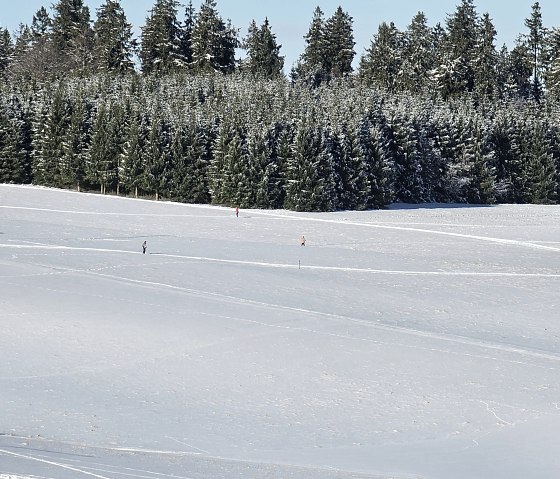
(431, 115)
(459, 57)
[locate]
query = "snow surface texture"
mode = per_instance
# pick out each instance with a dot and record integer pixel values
(415, 342)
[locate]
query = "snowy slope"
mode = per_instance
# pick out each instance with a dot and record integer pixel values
(406, 343)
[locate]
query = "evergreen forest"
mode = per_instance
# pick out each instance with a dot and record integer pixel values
(194, 111)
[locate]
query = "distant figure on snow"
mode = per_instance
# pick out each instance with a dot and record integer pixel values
(237, 212)
(302, 240)
(144, 247)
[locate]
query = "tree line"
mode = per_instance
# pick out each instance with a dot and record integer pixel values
(431, 114)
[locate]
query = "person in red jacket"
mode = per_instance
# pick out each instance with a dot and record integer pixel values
(237, 211)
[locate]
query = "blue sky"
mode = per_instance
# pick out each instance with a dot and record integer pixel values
(290, 19)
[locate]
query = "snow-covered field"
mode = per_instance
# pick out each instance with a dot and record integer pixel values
(416, 342)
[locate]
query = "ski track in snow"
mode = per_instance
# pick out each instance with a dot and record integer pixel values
(51, 463)
(40, 246)
(95, 469)
(378, 325)
(291, 217)
(418, 230)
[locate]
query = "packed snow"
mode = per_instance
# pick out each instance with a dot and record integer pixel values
(413, 342)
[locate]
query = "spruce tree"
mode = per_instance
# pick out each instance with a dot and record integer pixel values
(213, 41)
(503, 162)
(381, 64)
(518, 67)
(6, 52)
(418, 54)
(536, 42)
(162, 49)
(264, 58)
(274, 179)
(189, 168)
(370, 140)
(311, 65)
(187, 33)
(55, 140)
(357, 167)
(266, 173)
(540, 171)
(72, 169)
(131, 164)
(403, 149)
(456, 62)
(106, 147)
(479, 185)
(230, 170)
(71, 35)
(22, 47)
(41, 24)
(339, 44)
(552, 76)
(15, 143)
(310, 182)
(485, 71)
(114, 45)
(157, 154)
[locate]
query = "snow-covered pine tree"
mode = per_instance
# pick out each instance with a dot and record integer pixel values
(22, 47)
(404, 152)
(480, 187)
(6, 52)
(486, 60)
(552, 75)
(310, 183)
(447, 143)
(260, 153)
(161, 40)
(263, 53)
(339, 44)
(76, 156)
(114, 45)
(454, 74)
(310, 67)
(535, 41)
(518, 68)
(187, 33)
(213, 41)
(36, 56)
(157, 154)
(378, 193)
(418, 54)
(381, 64)
(541, 179)
(131, 164)
(188, 176)
(106, 147)
(15, 161)
(72, 36)
(500, 138)
(350, 170)
(239, 175)
(55, 140)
